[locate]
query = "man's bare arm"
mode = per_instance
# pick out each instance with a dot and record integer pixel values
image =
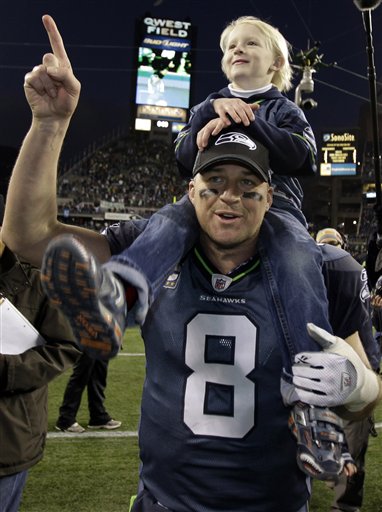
(30, 219)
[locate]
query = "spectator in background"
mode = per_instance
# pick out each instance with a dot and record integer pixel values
(374, 250)
(24, 377)
(91, 374)
(349, 490)
(376, 303)
(330, 236)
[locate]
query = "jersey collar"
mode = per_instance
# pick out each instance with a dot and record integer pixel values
(220, 282)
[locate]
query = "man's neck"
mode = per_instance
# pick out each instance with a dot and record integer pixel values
(226, 259)
(2, 247)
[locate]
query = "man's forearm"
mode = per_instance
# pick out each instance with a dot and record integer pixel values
(31, 206)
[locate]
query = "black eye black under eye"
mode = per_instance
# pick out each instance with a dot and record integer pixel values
(253, 195)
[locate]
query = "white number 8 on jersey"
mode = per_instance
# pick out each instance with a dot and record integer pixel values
(239, 333)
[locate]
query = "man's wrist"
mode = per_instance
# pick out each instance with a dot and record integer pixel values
(49, 132)
(366, 394)
(50, 125)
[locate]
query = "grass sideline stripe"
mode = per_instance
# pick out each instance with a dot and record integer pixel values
(87, 434)
(131, 354)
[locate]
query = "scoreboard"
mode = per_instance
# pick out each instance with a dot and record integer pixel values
(163, 79)
(338, 153)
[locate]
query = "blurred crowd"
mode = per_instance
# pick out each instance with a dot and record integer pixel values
(133, 173)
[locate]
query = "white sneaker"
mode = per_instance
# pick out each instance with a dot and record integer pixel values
(110, 425)
(76, 428)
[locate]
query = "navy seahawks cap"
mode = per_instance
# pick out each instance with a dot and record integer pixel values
(1, 209)
(234, 146)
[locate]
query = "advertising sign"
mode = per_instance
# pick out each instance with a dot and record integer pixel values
(338, 153)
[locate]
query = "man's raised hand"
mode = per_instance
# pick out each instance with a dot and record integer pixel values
(51, 88)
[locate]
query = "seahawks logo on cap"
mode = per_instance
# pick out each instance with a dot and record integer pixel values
(236, 137)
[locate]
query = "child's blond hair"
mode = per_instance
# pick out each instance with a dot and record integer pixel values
(275, 42)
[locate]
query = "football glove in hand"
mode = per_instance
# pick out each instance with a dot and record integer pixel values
(336, 376)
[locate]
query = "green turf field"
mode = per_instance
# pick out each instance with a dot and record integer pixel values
(82, 474)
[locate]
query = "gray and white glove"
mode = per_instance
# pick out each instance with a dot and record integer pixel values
(336, 376)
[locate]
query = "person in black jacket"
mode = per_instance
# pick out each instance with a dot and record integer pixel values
(24, 377)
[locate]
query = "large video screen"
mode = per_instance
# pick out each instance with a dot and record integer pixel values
(163, 67)
(163, 78)
(338, 153)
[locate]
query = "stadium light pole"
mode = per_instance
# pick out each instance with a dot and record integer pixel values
(366, 6)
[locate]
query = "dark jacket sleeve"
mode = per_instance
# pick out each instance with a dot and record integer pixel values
(37, 366)
(289, 139)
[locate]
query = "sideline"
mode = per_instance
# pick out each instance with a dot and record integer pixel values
(131, 354)
(87, 434)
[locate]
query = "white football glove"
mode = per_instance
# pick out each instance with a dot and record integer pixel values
(336, 376)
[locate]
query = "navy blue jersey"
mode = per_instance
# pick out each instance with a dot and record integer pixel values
(279, 124)
(213, 431)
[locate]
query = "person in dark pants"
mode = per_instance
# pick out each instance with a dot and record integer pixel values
(349, 491)
(91, 374)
